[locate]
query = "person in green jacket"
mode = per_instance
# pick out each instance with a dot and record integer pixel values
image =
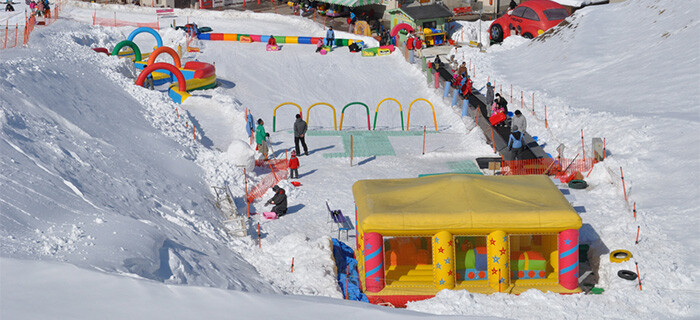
(261, 138)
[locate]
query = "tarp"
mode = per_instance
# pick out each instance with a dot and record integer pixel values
(352, 3)
(463, 204)
(344, 258)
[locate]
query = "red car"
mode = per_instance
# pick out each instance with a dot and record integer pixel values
(529, 19)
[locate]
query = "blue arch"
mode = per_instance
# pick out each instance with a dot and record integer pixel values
(133, 34)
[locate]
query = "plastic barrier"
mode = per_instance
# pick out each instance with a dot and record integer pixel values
(342, 114)
(374, 127)
(130, 44)
(274, 113)
(133, 34)
(335, 122)
(408, 118)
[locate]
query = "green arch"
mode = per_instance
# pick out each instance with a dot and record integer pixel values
(130, 44)
(342, 113)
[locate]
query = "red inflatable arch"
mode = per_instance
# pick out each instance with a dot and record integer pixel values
(168, 50)
(181, 84)
(405, 26)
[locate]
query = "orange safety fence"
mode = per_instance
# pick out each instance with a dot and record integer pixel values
(558, 167)
(267, 182)
(114, 22)
(278, 164)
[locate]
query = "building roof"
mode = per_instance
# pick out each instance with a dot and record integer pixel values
(431, 11)
(463, 204)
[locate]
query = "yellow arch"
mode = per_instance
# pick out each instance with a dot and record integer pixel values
(274, 113)
(408, 118)
(335, 123)
(377, 111)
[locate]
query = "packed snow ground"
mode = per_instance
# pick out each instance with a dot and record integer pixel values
(100, 174)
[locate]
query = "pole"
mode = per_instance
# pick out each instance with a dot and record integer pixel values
(521, 99)
(622, 176)
(638, 276)
(351, 150)
(259, 244)
(115, 17)
(583, 146)
(637, 240)
(423, 139)
(635, 210)
(292, 264)
(247, 203)
(493, 141)
(511, 93)
(533, 103)
(546, 126)
(604, 152)
(194, 133)
(347, 282)
(16, 30)
(7, 23)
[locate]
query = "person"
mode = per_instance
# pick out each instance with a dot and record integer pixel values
(437, 62)
(463, 68)
(40, 8)
(294, 166)
(419, 47)
(385, 39)
(300, 135)
(330, 37)
(489, 97)
(467, 87)
(515, 143)
(32, 6)
(512, 5)
(519, 121)
(279, 200)
(501, 102)
(410, 46)
(319, 45)
(351, 22)
(272, 41)
(295, 9)
(9, 7)
(261, 138)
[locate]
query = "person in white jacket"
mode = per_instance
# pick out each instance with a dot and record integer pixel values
(519, 121)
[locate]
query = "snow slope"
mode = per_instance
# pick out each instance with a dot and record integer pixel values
(100, 174)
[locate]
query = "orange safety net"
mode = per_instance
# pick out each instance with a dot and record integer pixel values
(280, 173)
(558, 167)
(114, 22)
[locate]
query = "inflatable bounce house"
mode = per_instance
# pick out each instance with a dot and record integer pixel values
(484, 234)
(194, 75)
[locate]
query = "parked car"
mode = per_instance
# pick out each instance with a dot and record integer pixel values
(529, 19)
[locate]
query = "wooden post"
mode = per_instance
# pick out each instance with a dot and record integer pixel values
(437, 80)
(423, 139)
(521, 99)
(476, 119)
(501, 90)
(16, 30)
(351, 150)
(177, 112)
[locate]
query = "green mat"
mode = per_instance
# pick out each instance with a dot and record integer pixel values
(365, 143)
(464, 167)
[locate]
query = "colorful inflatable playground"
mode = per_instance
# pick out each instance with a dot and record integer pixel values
(485, 234)
(193, 75)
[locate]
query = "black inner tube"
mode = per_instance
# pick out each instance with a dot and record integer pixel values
(620, 255)
(627, 275)
(578, 184)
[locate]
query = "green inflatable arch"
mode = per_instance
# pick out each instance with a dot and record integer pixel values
(130, 44)
(342, 113)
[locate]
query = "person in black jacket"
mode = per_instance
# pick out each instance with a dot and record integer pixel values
(279, 200)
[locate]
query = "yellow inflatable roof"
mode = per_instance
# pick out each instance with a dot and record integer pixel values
(463, 204)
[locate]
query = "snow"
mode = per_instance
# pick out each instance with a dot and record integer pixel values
(107, 196)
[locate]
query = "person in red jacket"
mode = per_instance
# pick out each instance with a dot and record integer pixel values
(418, 44)
(294, 166)
(467, 88)
(272, 41)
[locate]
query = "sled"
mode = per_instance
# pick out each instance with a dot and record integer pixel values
(497, 118)
(270, 215)
(271, 47)
(296, 183)
(323, 52)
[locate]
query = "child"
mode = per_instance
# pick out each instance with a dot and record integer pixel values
(272, 41)
(294, 166)
(319, 45)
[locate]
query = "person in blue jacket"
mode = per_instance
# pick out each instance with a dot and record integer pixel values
(330, 37)
(515, 142)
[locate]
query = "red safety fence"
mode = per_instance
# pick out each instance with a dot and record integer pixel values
(114, 22)
(557, 167)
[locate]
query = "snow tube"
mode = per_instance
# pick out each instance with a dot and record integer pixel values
(101, 50)
(627, 275)
(578, 184)
(619, 256)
